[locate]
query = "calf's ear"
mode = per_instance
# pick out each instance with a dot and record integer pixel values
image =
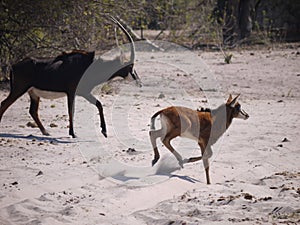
(229, 99)
(233, 102)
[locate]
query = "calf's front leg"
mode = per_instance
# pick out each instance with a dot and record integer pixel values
(206, 154)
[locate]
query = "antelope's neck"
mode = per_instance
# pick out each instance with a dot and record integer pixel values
(220, 123)
(228, 122)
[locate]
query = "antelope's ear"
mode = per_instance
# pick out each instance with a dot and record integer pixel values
(233, 102)
(229, 99)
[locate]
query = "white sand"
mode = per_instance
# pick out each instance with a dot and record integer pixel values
(92, 180)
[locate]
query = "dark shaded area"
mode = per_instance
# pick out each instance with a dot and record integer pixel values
(278, 20)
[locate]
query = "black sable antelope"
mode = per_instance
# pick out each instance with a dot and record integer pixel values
(64, 76)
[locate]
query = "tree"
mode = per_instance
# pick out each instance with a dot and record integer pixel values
(236, 18)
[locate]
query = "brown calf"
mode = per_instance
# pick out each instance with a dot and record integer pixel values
(205, 126)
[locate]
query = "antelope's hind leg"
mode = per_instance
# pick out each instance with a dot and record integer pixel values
(194, 159)
(11, 98)
(167, 142)
(154, 134)
(33, 110)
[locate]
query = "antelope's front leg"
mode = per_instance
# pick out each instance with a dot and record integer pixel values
(102, 120)
(71, 98)
(206, 154)
(206, 166)
(90, 98)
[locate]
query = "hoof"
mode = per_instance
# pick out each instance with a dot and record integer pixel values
(181, 163)
(44, 132)
(104, 133)
(73, 135)
(154, 161)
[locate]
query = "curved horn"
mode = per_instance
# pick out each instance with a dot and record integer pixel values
(132, 57)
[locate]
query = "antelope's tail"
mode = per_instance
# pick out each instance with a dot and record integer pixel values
(152, 125)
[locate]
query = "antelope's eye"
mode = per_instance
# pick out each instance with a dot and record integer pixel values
(238, 107)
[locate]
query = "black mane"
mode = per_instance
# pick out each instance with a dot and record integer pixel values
(204, 109)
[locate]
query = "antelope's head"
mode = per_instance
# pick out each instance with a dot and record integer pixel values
(129, 68)
(234, 109)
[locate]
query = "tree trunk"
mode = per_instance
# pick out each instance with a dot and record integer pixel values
(236, 15)
(245, 21)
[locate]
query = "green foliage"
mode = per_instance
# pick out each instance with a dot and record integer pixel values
(43, 28)
(227, 58)
(47, 27)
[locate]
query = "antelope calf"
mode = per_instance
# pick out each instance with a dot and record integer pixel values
(204, 126)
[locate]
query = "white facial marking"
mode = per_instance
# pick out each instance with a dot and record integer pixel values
(242, 115)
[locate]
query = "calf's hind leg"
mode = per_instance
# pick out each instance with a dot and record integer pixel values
(167, 142)
(154, 134)
(194, 159)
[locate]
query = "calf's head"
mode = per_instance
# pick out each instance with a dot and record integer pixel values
(234, 109)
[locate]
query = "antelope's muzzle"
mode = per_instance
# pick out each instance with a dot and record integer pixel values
(136, 77)
(244, 114)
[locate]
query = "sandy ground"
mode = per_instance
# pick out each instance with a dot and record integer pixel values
(254, 171)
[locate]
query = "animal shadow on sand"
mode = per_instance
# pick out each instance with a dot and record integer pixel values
(164, 170)
(54, 140)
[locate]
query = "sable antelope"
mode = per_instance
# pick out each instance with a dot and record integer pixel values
(64, 75)
(204, 125)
